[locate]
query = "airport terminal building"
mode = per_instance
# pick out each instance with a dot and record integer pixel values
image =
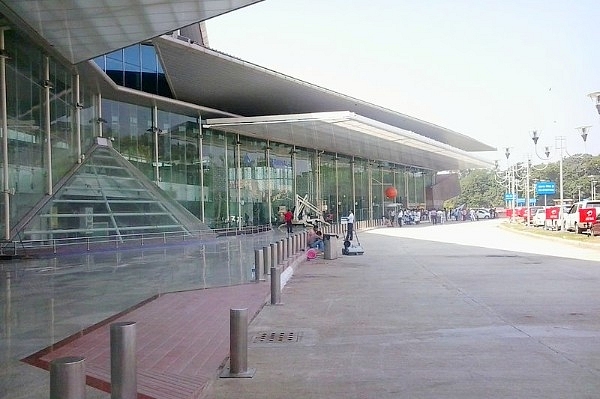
(121, 120)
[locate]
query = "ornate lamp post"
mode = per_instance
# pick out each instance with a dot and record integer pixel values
(560, 145)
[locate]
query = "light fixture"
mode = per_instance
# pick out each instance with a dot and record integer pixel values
(155, 130)
(535, 136)
(584, 132)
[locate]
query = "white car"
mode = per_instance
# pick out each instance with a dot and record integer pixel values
(482, 214)
(539, 218)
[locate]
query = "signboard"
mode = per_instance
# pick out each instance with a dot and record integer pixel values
(587, 215)
(545, 187)
(508, 196)
(552, 212)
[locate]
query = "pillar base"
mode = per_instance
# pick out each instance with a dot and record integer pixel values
(226, 373)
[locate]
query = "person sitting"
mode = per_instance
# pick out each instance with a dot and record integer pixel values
(316, 241)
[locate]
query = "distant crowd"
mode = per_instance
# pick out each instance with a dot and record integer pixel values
(437, 216)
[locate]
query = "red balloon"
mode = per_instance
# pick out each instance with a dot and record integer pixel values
(391, 192)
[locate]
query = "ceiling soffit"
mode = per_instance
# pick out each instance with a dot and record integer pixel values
(352, 135)
(80, 30)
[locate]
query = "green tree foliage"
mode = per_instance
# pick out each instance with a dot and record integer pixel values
(485, 188)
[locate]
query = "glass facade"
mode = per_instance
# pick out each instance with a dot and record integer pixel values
(222, 179)
(136, 67)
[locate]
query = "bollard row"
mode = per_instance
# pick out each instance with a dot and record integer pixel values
(67, 374)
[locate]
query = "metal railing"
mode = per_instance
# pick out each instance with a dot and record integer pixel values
(57, 246)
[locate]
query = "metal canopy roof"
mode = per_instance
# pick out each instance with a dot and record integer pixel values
(354, 135)
(82, 29)
(242, 88)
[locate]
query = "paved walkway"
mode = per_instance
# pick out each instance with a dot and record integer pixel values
(182, 339)
(416, 317)
(462, 310)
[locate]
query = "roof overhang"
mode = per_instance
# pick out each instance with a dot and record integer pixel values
(80, 30)
(239, 87)
(352, 135)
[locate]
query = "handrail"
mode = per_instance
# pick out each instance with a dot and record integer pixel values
(50, 246)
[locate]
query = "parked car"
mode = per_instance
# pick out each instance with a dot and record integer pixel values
(482, 214)
(528, 219)
(571, 221)
(539, 218)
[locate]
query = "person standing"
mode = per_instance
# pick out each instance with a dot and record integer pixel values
(288, 217)
(350, 231)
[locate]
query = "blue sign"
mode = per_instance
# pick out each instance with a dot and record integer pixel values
(508, 196)
(545, 187)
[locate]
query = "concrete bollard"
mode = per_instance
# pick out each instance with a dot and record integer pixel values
(293, 244)
(296, 243)
(259, 266)
(290, 247)
(123, 367)
(279, 252)
(67, 378)
(238, 345)
(275, 285)
(273, 254)
(267, 260)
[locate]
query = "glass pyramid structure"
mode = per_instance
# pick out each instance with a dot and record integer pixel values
(106, 197)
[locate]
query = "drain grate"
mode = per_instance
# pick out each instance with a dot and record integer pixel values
(276, 337)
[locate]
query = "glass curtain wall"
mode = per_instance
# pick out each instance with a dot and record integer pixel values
(378, 188)
(137, 67)
(361, 178)
(216, 179)
(129, 127)
(40, 100)
(178, 158)
(328, 189)
(387, 175)
(305, 175)
(415, 188)
(254, 182)
(282, 180)
(345, 193)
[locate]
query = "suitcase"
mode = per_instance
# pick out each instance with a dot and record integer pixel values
(352, 249)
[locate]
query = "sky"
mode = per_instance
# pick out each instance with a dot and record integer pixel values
(489, 69)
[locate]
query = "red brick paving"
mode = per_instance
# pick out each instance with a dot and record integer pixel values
(182, 341)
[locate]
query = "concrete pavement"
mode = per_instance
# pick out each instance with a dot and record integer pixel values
(462, 310)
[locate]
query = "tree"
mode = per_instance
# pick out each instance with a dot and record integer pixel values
(484, 188)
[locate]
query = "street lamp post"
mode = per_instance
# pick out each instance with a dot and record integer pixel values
(559, 144)
(511, 185)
